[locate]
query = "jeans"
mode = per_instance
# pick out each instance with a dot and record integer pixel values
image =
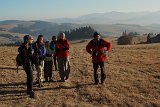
(55, 62)
(64, 67)
(95, 67)
(40, 69)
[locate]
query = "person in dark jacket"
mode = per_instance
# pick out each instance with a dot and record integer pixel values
(39, 56)
(96, 48)
(53, 47)
(62, 50)
(26, 53)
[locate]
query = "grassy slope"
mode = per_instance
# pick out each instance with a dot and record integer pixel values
(133, 77)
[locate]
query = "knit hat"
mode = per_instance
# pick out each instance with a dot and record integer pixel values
(27, 37)
(47, 41)
(95, 34)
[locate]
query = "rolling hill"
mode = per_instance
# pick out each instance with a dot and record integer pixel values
(20, 28)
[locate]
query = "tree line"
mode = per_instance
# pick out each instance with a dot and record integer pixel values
(80, 33)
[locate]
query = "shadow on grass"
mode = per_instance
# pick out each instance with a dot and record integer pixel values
(77, 86)
(10, 92)
(10, 68)
(12, 85)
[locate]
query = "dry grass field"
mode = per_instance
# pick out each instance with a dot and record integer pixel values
(133, 80)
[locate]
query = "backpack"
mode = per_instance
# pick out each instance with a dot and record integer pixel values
(99, 43)
(19, 60)
(19, 57)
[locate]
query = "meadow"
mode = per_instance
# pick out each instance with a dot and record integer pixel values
(133, 80)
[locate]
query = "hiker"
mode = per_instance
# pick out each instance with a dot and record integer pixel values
(39, 56)
(96, 48)
(48, 62)
(62, 52)
(52, 46)
(25, 50)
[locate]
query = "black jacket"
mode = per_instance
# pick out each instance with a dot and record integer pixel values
(27, 54)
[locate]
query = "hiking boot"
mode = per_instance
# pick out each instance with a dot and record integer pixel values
(62, 80)
(32, 94)
(36, 82)
(102, 81)
(66, 78)
(96, 82)
(40, 85)
(27, 92)
(50, 80)
(46, 80)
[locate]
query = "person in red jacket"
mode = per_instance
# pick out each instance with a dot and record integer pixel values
(62, 52)
(98, 48)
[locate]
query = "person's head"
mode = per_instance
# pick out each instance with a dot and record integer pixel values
(62, 36)
(96, 35)
(54, 38)
(40, 39)
(47, 43)
(28, 39)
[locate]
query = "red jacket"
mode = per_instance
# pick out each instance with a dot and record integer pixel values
(97, 49)
(62, 48)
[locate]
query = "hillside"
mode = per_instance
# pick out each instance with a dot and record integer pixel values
(48, 28)
(133, 77)
(18, 28)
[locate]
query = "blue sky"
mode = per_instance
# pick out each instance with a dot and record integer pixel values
(48, 9)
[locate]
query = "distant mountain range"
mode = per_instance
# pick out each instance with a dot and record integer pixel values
(110, 23)
(49, 28)
(140, 18)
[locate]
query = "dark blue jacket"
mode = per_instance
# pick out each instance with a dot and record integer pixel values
(39, 49)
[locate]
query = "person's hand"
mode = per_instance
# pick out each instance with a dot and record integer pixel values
(64, 49)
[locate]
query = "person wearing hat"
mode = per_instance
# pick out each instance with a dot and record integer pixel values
(62, 52)
(96, 47)
(48, 62)
(39, 56)
(25, 50)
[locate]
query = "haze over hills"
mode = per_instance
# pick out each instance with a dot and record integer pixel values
(49, 28)
(140, 18)
(110, 23)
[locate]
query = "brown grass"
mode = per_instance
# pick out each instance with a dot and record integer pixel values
(133, 80)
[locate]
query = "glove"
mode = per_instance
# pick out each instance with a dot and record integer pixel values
(64, 49)
(42, 58)
(48, 55)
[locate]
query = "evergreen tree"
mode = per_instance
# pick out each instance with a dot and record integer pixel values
(80, 33)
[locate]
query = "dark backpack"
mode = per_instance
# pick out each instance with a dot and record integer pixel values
(99, 43)
(19, 60)
(19, 57)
